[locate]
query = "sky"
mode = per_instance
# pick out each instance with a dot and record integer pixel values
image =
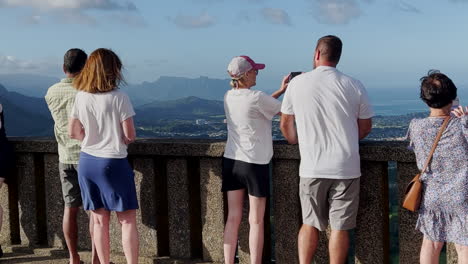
(387, 43)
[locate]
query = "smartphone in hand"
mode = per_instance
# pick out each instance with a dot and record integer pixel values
(293, 74)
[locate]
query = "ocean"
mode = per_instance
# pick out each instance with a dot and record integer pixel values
(389, 102)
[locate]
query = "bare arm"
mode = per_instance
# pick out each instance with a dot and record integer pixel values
(128, 128)
(288, 128)
(75, 129)
(365, 127)
(283, 87)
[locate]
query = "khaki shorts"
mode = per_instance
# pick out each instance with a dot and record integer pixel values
(70, 187)
(329, 199)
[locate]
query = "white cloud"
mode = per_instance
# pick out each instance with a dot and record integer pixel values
(10, 64)
(336, 11)
(70, 4)
(76, 11)
(276, 16)
(404, 6)
(130, 20)
(32, 19)
(75, 18)
(191, 22)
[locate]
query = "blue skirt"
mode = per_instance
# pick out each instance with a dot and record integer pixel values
(106, 183)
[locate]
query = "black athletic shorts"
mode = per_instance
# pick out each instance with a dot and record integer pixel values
(239, 175)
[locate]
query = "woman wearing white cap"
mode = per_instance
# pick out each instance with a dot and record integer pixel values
(248, 152)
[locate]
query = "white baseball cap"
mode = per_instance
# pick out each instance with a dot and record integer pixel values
(241, 64)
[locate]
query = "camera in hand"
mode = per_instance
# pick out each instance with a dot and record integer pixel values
(293, 74)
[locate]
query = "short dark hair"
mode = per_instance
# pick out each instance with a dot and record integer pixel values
(74, 60)
(330, 48)
(437, 90)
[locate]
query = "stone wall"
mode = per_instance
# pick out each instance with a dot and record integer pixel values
(182, 210)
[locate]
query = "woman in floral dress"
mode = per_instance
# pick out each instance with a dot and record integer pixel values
(443, 215)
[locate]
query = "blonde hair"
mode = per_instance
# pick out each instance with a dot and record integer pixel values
(101, 73)
(234, 83)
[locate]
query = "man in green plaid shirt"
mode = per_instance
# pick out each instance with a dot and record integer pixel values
(60, 98)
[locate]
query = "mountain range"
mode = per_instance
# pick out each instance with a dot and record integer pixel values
(160, 104)
(187, 108)
(28, 84)
(165, 99)
(171, 88)
(24, 115)
(163, 89)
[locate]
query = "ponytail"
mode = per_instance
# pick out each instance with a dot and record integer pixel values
(234, 83)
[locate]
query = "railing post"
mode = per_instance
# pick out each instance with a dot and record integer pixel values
(212, 209)
(372, 231)
(146, 216)
(286, 209)
(410, 239)
(452, 257)
(9, 202)
(178, 208)
(28, 178)
(55, 208)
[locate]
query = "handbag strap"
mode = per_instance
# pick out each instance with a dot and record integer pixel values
(436, 141)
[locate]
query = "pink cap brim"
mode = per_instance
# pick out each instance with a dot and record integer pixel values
(255, 66)
(259, 66)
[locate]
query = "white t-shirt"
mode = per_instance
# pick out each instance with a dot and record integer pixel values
(327, 104)
(249, 114)
(101, 115)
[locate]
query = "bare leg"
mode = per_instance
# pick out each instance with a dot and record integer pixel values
(462, 252)
(256, 234)
(70, 232)
(430, 251)
(338, 246)
(130, 241)
(101, 234)
(231, 230)
(94, 256)
(307, 243)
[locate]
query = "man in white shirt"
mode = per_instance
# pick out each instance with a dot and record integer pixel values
(332, 113)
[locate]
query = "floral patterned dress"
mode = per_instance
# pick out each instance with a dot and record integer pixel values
(443, 215)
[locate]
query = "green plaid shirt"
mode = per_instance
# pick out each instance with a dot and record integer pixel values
(60, 98)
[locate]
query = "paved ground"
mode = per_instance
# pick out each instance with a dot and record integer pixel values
(18, 254)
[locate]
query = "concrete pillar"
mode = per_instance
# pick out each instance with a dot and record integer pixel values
(54, 202)
(152, 230)
(410, 239)
(30, 180)
(212, 209)
(146, 215)
(55, 208)
(144, 170)
(286, 209)
(372, 232)
(452, 257)
(9, 234)
(178, 208)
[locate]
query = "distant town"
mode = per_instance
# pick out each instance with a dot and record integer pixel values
(166, 108)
